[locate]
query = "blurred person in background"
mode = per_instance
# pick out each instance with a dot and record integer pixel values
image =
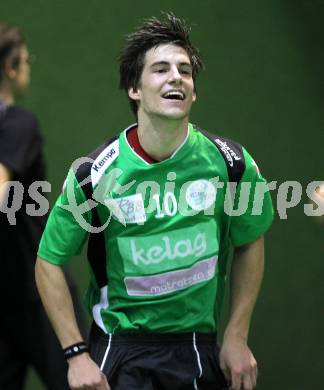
(26, 336)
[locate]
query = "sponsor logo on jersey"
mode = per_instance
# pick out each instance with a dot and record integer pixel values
(168, 282)
(101, 163)
(167, 250)
(228, 152)
(200, 195)
(171, 250)
(131, 209)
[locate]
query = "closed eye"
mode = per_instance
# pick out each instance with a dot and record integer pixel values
(186, 69)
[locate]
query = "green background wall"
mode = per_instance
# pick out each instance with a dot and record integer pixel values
(263, 86)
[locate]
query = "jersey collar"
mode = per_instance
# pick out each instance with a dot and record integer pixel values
(183, 149)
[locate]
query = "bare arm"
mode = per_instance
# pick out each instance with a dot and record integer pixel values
(5, 176)
(53, 289)
(236, 359)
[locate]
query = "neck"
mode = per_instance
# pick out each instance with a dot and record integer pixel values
(6, 95)
(159, 137)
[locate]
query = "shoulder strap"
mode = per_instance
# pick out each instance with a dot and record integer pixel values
(232, 153)
(96, 252)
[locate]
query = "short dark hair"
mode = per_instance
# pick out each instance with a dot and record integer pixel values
(152, 33)
(11, 40)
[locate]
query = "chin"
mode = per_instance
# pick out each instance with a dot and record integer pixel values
(174, 114)
(21, 91)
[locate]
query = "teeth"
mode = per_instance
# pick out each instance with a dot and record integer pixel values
(174, 94)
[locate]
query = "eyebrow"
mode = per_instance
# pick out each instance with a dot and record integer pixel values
(164, 63)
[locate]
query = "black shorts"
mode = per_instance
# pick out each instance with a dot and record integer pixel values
(185, 361)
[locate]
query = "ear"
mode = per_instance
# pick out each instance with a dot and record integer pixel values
(194, 96)
(9, 71)
(11, 74)
(134, 93)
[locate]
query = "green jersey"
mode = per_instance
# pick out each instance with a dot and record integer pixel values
(158, 234)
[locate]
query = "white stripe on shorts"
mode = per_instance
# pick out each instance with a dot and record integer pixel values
(106, 353)
(198, 360)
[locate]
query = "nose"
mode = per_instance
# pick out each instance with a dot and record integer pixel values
(175, 75)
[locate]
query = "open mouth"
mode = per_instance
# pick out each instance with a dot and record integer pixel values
(174, 95)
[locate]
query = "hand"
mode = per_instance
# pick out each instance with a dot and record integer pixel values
(238, 364)
(84, 374)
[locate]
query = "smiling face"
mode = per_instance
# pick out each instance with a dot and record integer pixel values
(166, 87)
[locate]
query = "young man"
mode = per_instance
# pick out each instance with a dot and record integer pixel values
(26, 336)
(154, 200)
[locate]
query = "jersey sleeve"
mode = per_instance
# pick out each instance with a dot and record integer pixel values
(253, 211)
(66, 229)
(20, 141)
